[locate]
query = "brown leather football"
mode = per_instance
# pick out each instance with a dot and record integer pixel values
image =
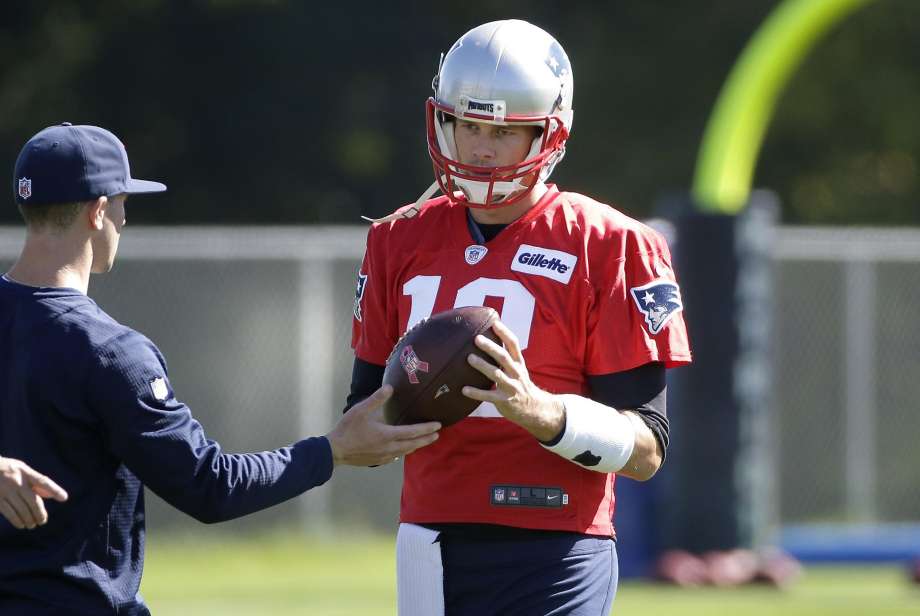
(428, 367)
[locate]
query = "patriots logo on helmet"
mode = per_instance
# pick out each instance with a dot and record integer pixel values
(658, 300)
(556, 60)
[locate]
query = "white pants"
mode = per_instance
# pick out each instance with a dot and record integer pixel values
(419, 572)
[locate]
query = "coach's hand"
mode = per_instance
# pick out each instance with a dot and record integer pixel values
(515, 396)
(362, 438)
(22, 490)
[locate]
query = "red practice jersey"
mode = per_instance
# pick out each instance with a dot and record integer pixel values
(586, 290)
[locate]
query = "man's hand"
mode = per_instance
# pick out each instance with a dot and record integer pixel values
(515, 396)
(22, 491)
(362, 438)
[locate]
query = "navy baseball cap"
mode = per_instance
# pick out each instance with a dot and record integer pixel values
(70, 164)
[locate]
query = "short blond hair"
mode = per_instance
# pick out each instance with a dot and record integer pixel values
(53, 216)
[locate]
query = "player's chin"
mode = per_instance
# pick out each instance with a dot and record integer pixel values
(103, 268)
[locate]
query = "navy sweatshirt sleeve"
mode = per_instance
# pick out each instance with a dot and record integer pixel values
(157, 438)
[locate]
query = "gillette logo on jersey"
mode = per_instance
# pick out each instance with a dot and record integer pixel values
(544, 262)
(658, 300)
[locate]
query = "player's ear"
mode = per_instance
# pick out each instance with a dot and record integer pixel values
(95, 212)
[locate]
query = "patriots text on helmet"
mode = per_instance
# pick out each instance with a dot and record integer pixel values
(474, 106)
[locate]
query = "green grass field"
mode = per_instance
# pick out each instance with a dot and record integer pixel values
(354, 575)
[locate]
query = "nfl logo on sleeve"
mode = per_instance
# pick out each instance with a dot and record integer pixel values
(159, 389)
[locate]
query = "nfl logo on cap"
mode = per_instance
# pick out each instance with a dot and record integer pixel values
(74, 164)
(25, 188)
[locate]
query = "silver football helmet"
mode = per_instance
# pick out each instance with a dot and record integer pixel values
(503, 72)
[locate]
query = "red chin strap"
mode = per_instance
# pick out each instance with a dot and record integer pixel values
(446, 169)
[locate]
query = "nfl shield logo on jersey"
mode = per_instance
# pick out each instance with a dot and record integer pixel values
(25, 188)
(475, 253)
(658, 300)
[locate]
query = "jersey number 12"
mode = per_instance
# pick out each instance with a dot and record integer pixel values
(517, 309)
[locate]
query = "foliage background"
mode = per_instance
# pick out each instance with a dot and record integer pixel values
(278, 111)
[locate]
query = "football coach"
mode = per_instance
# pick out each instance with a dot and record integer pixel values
(87, 401)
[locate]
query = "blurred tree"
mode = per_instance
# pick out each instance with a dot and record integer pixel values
(845, 145)
(273, 111)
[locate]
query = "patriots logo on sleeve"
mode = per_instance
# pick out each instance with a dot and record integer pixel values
(359, 293)
(658, 301)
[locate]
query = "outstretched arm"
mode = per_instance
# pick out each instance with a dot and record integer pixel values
(159, 440)
(362, 438)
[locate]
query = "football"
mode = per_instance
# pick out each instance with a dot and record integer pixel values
(428, 367)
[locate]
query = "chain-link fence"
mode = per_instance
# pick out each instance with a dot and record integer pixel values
(255, 324)
(848, 375)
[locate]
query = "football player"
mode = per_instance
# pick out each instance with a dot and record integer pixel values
(510, 512)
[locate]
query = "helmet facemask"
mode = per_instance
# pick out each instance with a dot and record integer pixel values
(491, 187)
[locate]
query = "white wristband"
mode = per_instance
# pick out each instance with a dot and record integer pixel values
(596, 437)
